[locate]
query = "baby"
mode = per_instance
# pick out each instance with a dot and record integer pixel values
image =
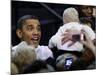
(71, 23)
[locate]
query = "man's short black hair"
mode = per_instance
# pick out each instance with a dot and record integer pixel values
(23, 18)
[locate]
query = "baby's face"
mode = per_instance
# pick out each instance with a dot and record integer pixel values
(31, 32)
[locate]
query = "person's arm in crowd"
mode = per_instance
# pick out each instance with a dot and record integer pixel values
(88, 54)
(88, 43)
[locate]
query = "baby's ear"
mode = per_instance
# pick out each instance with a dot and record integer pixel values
(19, 33)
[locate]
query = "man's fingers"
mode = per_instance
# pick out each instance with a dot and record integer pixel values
(68, 30)
(85, 34)
(64, 37)
(64, 40)
(65, 34)
(82, 41)
(71, 44)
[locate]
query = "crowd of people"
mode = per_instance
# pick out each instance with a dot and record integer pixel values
(71, 48)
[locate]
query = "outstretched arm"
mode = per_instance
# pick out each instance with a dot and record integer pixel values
(88, 43)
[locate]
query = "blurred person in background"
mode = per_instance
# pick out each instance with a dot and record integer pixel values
(87, 15)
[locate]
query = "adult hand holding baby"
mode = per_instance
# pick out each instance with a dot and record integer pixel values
(71, 35)
(88, 42)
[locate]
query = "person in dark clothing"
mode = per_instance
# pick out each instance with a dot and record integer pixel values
(86, 16)
(38, 66)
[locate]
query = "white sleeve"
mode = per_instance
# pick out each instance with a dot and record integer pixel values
(52, 42)
(90, 32)
(60, 30)
(48, 53)
(44, 53)
(54, 39)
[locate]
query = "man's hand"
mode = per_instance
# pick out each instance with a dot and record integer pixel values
(88, 42)
(67, 36)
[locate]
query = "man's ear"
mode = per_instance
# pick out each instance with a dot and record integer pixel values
(19, 33)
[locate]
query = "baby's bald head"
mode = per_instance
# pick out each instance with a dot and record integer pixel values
(70, 15)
